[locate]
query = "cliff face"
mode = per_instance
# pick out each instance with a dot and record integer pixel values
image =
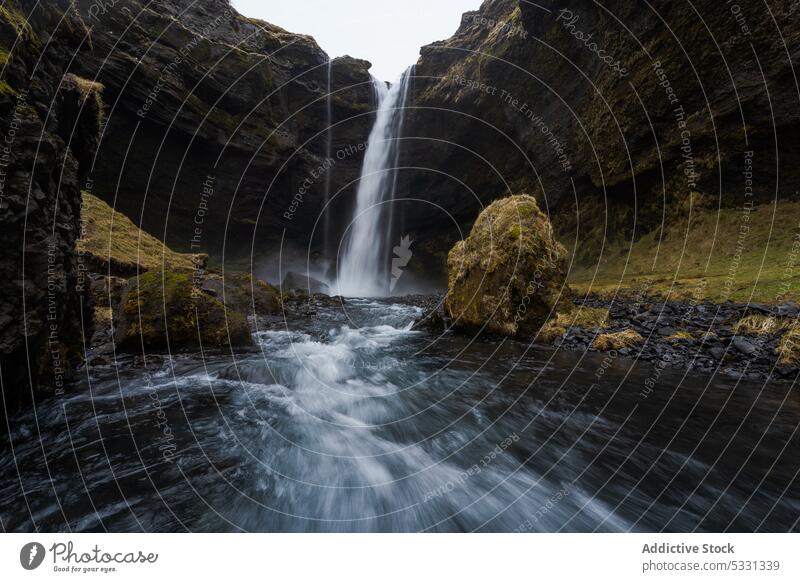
(50, 122)
(205, 127)
(217, 124)
(617, 116)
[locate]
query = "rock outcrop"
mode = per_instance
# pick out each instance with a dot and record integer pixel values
(217, 137)
(616, 115)
(199, 124)
(50, 122)
(508, 275)
(111, 245)
(165, 311)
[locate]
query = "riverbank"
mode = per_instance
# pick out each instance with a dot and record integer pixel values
(753, 341)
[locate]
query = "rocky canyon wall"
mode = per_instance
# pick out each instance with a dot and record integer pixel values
(617, 115)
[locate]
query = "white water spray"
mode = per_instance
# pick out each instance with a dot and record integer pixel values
(364, 269)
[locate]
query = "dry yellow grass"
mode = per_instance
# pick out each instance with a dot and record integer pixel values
(617, 341)
(110, 237)
(759, 325)
(680, 336)
(84, 87)
(579, 316)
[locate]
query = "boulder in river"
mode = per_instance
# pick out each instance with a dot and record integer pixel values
(508, 275)
(166, 310)
(243, 293)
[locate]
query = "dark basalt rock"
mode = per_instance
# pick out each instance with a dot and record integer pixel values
(50, 121)
(216, 123)
(513, 101)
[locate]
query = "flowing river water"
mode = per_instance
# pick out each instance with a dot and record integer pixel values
(353, 421)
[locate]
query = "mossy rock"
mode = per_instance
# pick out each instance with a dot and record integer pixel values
(243, 293)
(165, 310)
(509, 273)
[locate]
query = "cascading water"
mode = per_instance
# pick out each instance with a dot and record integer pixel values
(364, 269)
(329, 147)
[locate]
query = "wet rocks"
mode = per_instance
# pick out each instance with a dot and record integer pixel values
(703, 336)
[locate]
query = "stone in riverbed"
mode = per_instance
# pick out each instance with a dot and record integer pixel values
(509, 273)
(744, 346)
(165, 311)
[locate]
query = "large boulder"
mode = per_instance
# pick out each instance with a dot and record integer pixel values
(243, 293)
(166, 310)
(509, 274)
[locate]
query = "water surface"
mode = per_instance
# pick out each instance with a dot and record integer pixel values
(353, 421)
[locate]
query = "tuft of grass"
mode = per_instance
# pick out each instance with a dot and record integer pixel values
(577, 316)
(12, 17)
(85, 88)
(680, 336)
(617, 341)
(6, 89)
(759, 325)
(110, 237)
(789, 347)
(705, 256)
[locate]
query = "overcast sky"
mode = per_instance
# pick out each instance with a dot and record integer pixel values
(387, 33)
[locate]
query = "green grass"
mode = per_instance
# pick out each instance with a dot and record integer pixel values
(707, 257)
(112, 237)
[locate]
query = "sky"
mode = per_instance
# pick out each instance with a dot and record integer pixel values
(387, 33)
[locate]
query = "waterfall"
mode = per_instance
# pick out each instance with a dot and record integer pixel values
(326, 229)
(364, 268)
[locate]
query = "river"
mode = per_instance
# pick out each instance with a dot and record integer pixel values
(353, 421)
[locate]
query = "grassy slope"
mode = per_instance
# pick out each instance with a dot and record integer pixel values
(111, 235)
(701, 257)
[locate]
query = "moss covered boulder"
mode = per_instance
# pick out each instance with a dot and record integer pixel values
(509, 273)
(165, 310)
(243, 293)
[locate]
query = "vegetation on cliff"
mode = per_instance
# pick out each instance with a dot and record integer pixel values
(113, 242)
